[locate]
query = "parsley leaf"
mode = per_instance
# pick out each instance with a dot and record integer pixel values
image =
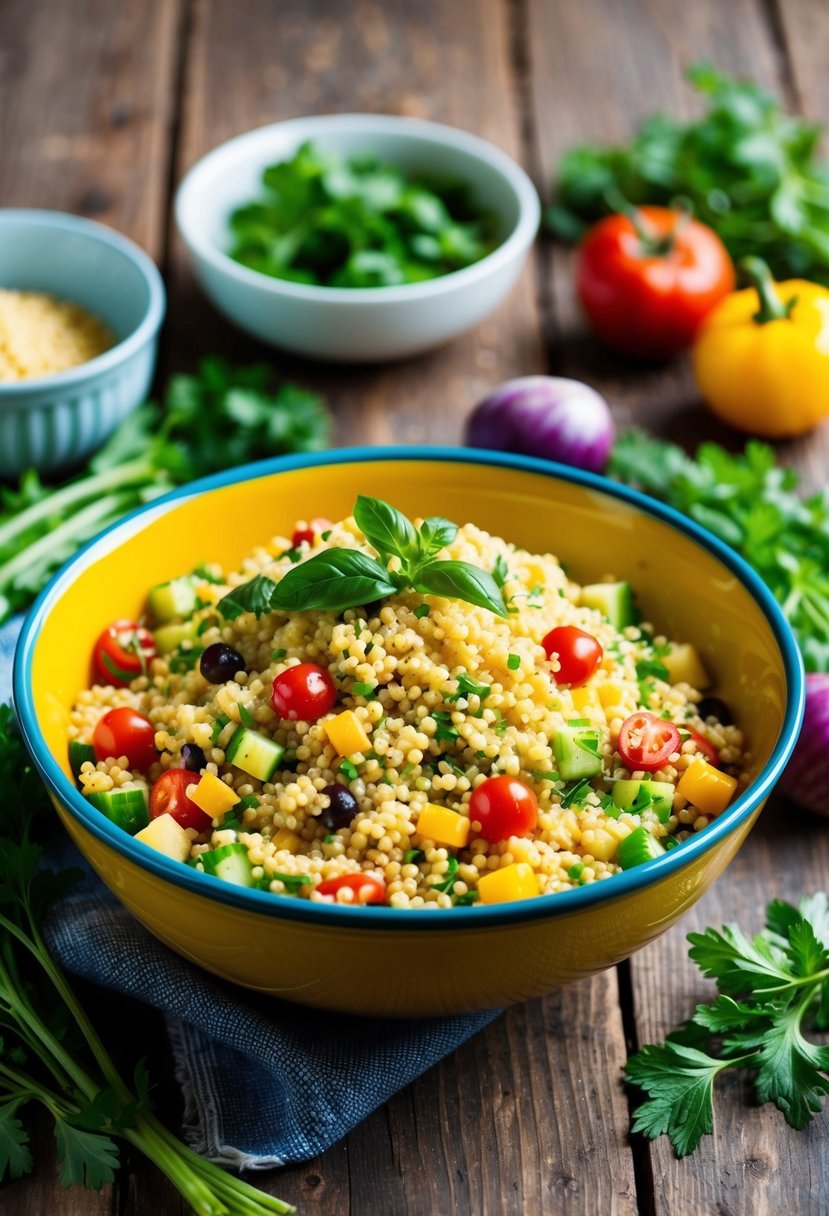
(680, 1082)
(15, 1158)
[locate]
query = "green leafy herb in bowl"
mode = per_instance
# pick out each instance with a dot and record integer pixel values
(335, 221)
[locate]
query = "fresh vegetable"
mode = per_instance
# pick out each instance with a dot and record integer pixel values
(443, 826)
(647, 742)
(614, 600)
(220, 662)
(358, 222)
(51, 1054)
(215, 420)
(747, 170)
(172, 600)
(516, 881)
(577, 651)
(124, 806)
(346, 733)
(308, 535)
(122, 652)
(577, 749)
(771, 989)
(79, 754)
(504, 807)
(363, 888)
(336, 579)
(806, 777)
(169, 797)
(231, 863)
(706, 787)
(640, 846)
(214, 796)
(706, 748)
(125, 732)
(254, 753)
(648, 278)
(547, 416)
(303, 693)
(761, 359)
(193, 758)
(341, 809)
(166, 835)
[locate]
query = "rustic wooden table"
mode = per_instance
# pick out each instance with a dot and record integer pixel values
(102, 108)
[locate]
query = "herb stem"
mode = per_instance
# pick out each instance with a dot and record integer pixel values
(85, 522)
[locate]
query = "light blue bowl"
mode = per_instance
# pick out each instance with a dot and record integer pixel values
(52, 421)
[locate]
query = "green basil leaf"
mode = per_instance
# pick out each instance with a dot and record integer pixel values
(435, 534)
(332, 581)
(383, 526)
(254, 596)
(461, 581)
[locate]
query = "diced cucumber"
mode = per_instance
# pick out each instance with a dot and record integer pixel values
(577, 750)
(613, 600)
(254, 753)
(126, 808)
(79, 753)
(655, 795)
(231, 863)
(167, 601)
(168, 638)
(638, 847)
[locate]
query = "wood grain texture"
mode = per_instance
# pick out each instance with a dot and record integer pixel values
(438, 61)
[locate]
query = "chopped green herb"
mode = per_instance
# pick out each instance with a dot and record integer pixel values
(326, 534)
(292, 882)
(250, 801)
(456, 768)
(500, 724)
(576, 870)
(421, 610)
(207, 623)
(218, 726)
(204, 572)
(183, 661)
(245, 715)
(500, 571)
(446, 730)
(412, 856)
(466, 900)
(364, 690)
(579, 722)
(467, 687)
(328, 839)
(407, 770)
(576, 793)
(348, 769)
(276, 655)
(514, 662)
(451, 875)
(538, 775)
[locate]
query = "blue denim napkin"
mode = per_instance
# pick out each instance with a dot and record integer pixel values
(264, 1082)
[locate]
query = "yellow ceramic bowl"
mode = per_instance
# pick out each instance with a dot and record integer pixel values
(385, 961)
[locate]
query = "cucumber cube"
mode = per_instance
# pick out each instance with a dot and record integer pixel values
(126, 808)
(254, 753)
(79, 753)
(167, 601)
(577, 750)
(643, 795)
(638, 847)
(231, 863)
(168, 638)
(613, 600)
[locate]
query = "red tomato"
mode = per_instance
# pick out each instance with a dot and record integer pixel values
(124, 732)
(315, 528)
(706, 749)
(646, 292)
(579, 654)
(367, 888)
(646, 742)
(122, 652)
(303, 693)
(504, 807)
(169, 797)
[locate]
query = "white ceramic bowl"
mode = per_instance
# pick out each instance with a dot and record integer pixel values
(355, 324)
(48, 422)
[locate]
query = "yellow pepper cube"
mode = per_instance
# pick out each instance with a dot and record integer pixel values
(213, 796)
(346, 733)
(612, 694)
(585, 700)
(286, 839)
(685, 666)
(167, 836)
(517, 881)
(706, 788)
(443, 826)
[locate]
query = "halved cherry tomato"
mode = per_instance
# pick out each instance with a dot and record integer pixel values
(579, 654)
(303, 693)
(647, 282)
(646, 742)
(367, 888)
(504, 807)
(315, 528)
(169, 797)
(706, 748)
(124, 732)
(122, 652)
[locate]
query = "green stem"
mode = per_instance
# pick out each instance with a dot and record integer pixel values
(653, 245)
(771, 307)
(144, 1135)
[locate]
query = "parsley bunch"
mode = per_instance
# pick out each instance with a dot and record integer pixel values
(746, 168)
(772, 988)
(751, 503)
(51, 1055)
(214, 420)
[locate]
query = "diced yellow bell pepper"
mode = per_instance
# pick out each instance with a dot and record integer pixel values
(213, 796)
(612, 694)
(706, 787)
(600, 843)
(443, 826)
(585, 700)
(346, 733)
(517, 881)
(286, 839)
(167, 836)
(685, 666)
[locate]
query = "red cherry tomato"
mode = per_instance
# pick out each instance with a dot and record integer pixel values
(122, 652)
(303, 693)
(646, 292)
(315, 528)
(124, 732)
(169, 797)
(367, 888)
(706, 749)
(504, 807)
(646, 742)
(579, 654)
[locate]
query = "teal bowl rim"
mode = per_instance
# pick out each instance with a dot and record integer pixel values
(517, 912)
(144, 332)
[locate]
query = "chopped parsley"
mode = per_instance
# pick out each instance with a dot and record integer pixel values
(250, 801)
(364, 690)
(412, 856)
(538, 775)
(292, 882)
(348, 769)
(513, 662)
(246, 716)
(451, 874)
(500, 570)
(576, 870)
(218, 726)
(466, 900)
(446, 731)
(421, 610)
(276, 655)
(467, 687)
(576, 793)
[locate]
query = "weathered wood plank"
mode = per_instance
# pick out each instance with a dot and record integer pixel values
(436, 61)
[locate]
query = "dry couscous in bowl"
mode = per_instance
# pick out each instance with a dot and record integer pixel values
(528, 806)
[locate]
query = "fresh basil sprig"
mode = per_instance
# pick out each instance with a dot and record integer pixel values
(336, 579)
